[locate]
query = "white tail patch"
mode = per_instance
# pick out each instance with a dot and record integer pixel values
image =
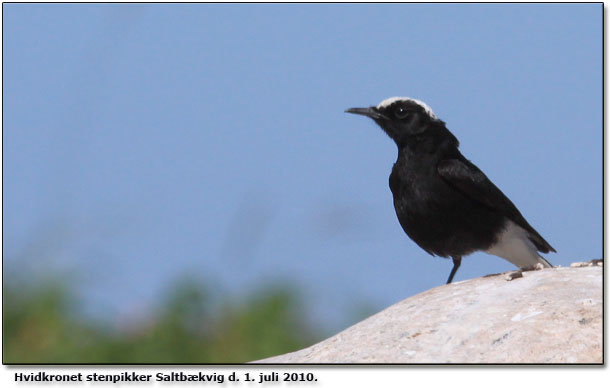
(391, 100)
(514, 245)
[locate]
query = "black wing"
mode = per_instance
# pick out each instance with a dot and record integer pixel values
(470, 181)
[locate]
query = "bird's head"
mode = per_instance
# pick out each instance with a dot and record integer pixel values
(400, 117)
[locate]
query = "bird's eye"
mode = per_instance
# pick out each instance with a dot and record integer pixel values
(401, 112)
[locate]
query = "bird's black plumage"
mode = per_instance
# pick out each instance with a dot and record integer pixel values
(444, 203)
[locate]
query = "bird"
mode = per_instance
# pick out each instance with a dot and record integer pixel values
(444, 202)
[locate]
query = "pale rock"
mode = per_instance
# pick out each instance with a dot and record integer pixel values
(547, 316)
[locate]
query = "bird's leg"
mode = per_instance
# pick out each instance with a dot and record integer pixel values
(457, 260)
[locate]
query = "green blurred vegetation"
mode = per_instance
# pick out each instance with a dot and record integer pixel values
(42, 324)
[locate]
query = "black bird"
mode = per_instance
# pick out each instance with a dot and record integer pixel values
(443, 201)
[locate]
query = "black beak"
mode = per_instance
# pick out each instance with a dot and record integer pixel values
(371, 112)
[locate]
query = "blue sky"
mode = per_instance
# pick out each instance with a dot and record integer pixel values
(143, 142)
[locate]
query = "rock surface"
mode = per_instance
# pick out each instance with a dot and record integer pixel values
(547, 316)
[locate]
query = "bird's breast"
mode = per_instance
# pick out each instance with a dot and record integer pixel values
(435, 216)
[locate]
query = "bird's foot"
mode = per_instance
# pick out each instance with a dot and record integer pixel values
(492, 274)
(535, 267)
(512, 275)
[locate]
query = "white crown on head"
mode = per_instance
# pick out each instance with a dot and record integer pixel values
(391, 100)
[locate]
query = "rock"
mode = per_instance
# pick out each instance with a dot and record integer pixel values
(548, 316)
(590, 263)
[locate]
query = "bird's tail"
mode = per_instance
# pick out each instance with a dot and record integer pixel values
(514, 245)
